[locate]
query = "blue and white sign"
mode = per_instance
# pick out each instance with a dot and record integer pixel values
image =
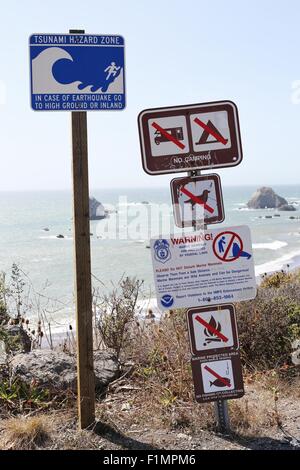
(77, 72)
(201, 268)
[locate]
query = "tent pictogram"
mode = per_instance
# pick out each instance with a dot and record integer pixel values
(209, 130)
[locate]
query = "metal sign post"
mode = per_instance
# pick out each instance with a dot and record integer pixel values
(222, 415)
(83, 290)
(193, 138)
(221, 406)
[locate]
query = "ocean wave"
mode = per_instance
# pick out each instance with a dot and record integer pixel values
(243, 208)
(275, 245)
(128, 204)
(54, 237)
(292, 259)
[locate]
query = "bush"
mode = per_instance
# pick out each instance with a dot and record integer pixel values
(276, 279)
(4, 317)
(116, 314)
(162, 354)
(270, 323)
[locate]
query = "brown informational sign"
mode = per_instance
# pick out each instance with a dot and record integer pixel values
(197, 200)
(217, 377)
(212, 329)
(183, 138)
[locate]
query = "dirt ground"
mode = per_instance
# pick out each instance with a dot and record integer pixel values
(286, 435)
(122, 423)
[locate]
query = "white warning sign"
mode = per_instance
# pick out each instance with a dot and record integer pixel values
(213, 266)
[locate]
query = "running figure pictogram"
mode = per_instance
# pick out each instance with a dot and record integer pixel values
(112, 69)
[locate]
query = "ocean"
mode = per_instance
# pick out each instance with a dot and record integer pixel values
(47, 261)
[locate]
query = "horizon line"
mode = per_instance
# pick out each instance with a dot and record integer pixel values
(258, 185)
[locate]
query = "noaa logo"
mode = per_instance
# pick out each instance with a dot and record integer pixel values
(167, 300)
(162, 251)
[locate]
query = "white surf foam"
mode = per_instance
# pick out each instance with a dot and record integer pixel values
(54, 237)
(275, 245)
(292, 259)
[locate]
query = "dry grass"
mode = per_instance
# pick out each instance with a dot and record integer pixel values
(254, 414)
(25, 433)
(131, 409)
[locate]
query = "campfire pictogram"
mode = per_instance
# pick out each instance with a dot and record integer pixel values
(211, 336)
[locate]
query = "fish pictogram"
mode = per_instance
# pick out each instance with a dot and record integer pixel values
(221, 382)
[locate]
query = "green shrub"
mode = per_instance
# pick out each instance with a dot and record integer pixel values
(269, 324)
(276, 279)
(116, 314)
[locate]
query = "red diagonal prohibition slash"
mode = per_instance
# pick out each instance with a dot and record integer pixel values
(228, 247)
(168, 136)
(197, 199)
(212, 372)
(211, 328)
(216, 135)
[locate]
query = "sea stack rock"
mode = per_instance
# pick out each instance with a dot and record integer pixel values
(266, 198)
(97, 211)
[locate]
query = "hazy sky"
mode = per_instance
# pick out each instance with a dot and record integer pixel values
(177, 52)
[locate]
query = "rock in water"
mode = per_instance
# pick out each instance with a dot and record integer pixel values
(287, 207)
(266, 198)
(97, 211)
(56, 370)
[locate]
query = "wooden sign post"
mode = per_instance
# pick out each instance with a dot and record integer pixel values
(83, 288)
(77, 77)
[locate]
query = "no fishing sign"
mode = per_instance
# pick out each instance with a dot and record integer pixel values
(217, 377)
